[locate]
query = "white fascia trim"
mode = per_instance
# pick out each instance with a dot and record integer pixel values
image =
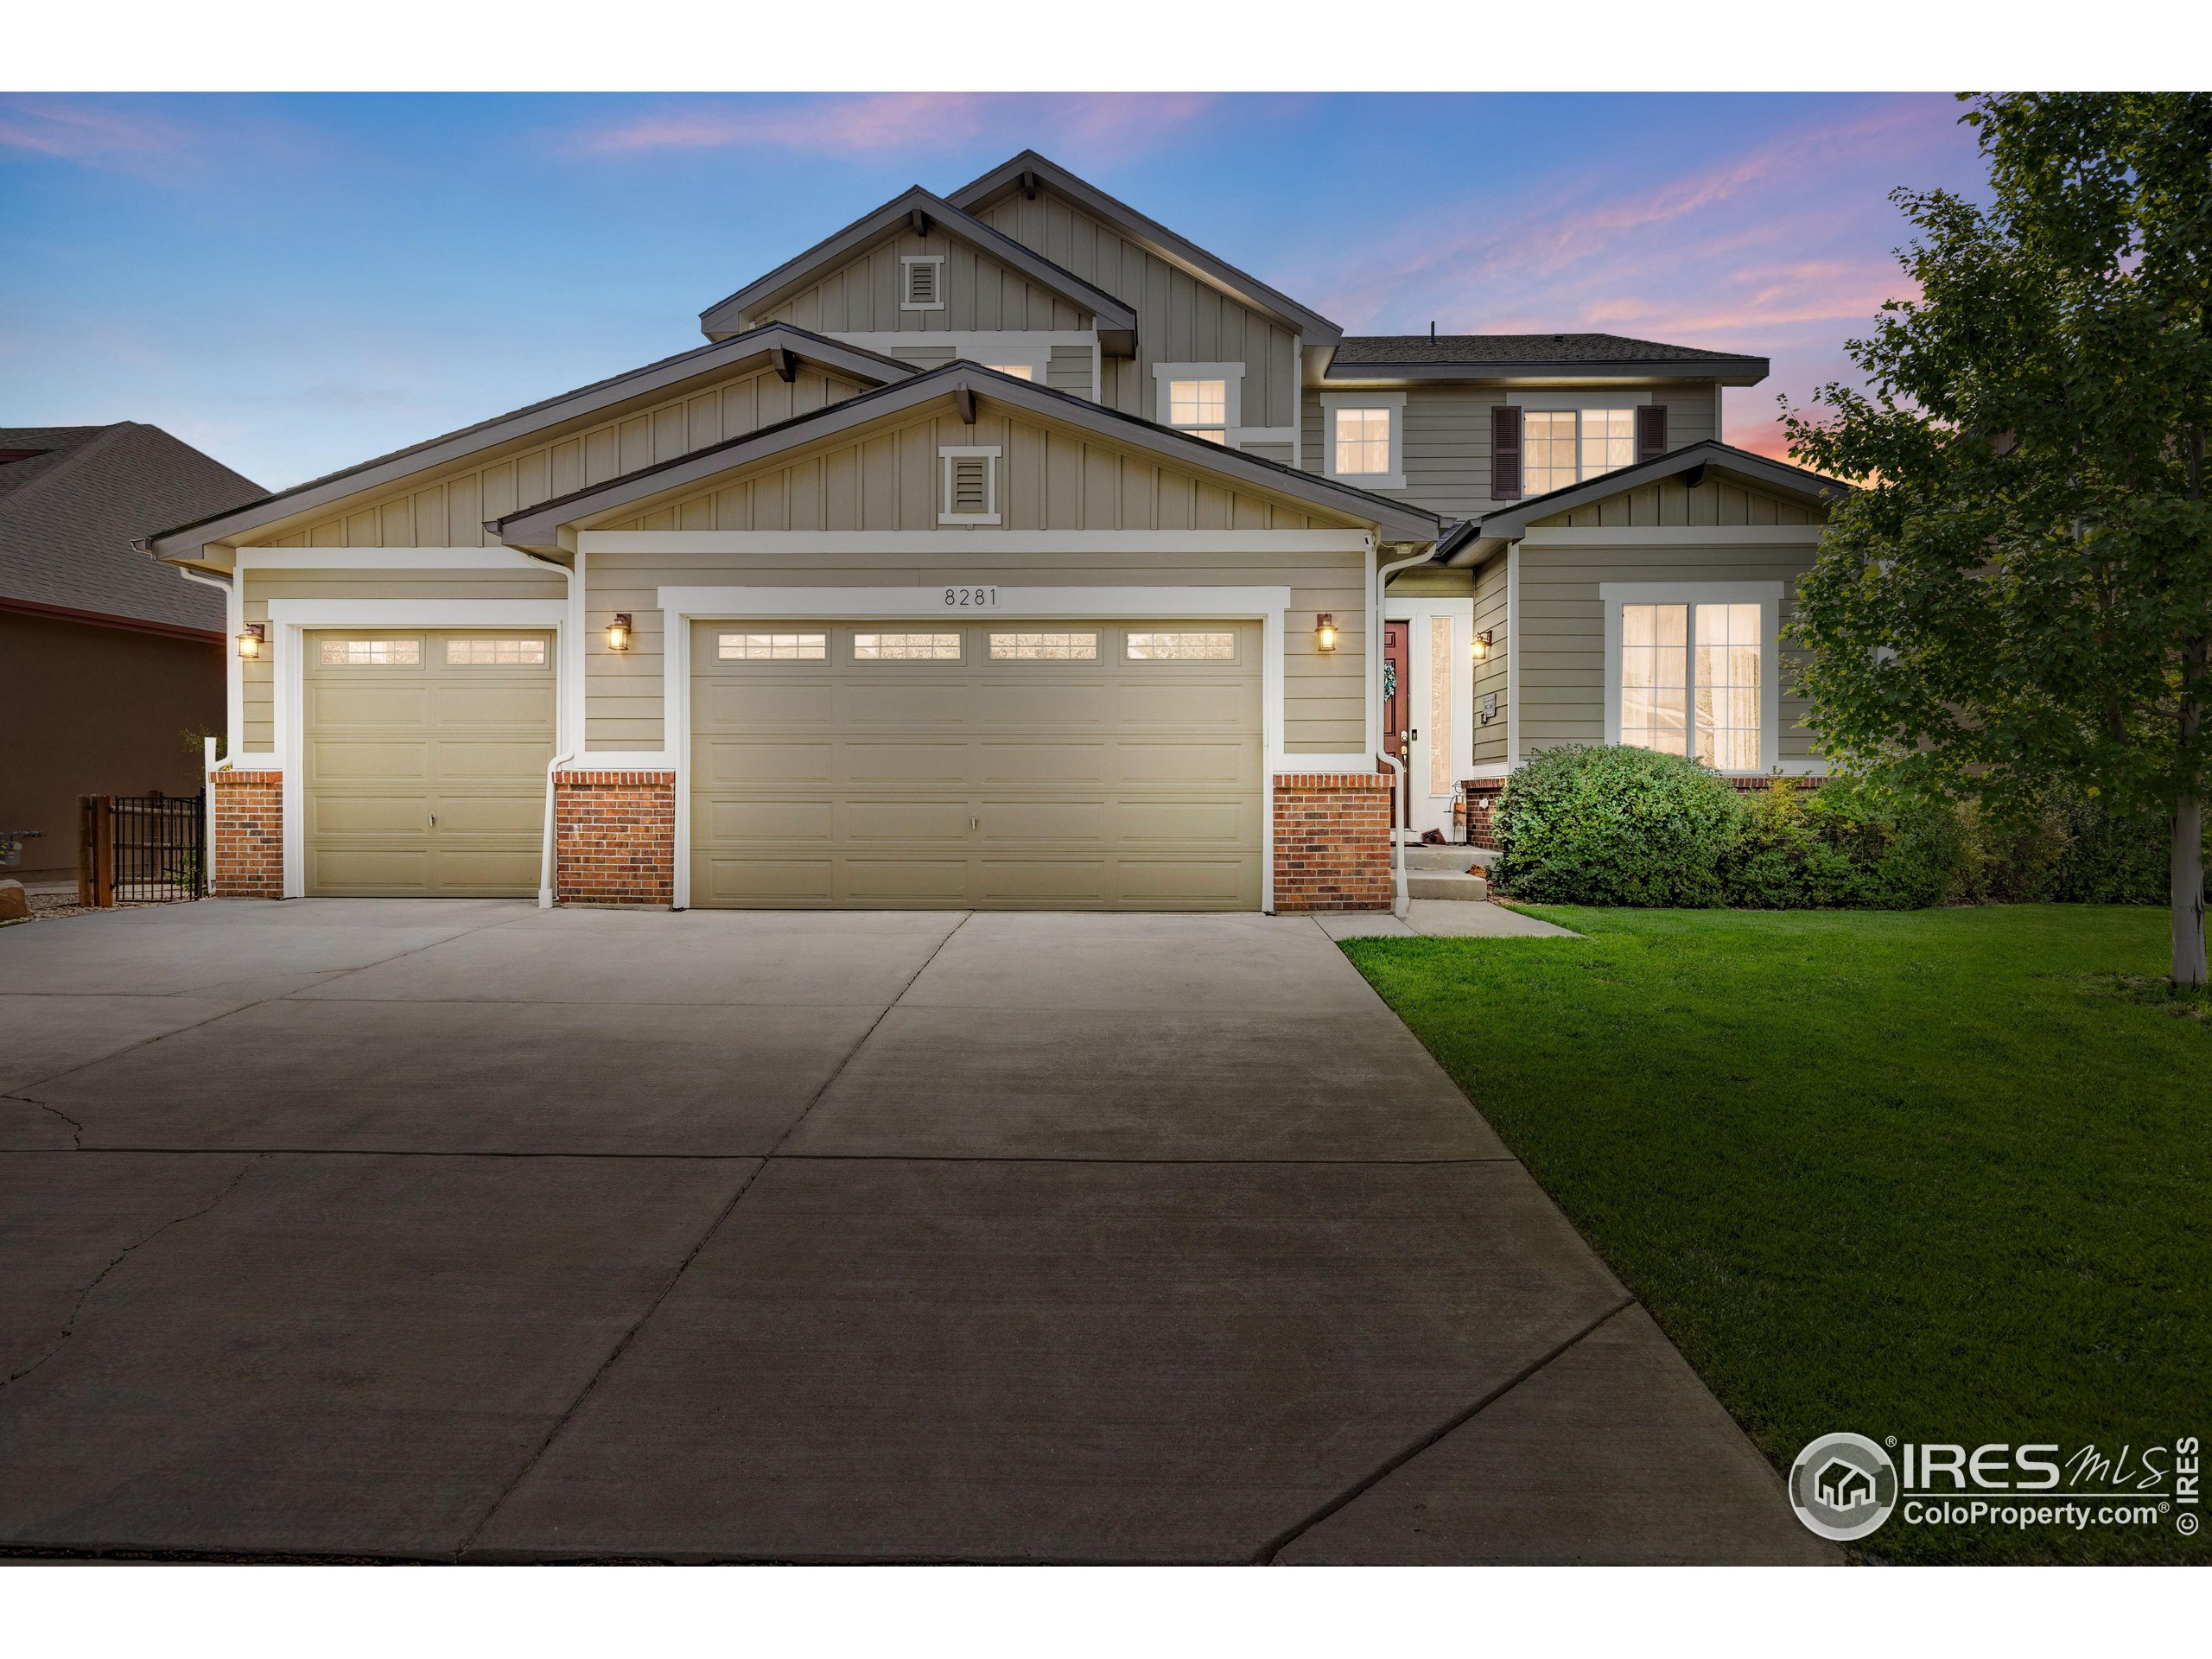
(1195, 542)
(682, 605)
(1461, 612)
(1549, 401)
(290, 618)
(1332, 401)
(387, 558)
(1231, 375)
(1677, 535)
(1767, 595)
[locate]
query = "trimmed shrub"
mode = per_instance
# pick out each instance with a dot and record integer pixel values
(1614, 825)
(1845, 846)
(2069, 850)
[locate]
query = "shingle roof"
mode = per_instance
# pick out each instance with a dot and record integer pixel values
(1518, 348)
(69, 516)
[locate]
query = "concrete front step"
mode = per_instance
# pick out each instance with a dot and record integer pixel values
(1447, 884)
(1441, 858)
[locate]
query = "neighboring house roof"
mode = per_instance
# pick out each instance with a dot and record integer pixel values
(1117, 320)
(1029, 169)
(539, 526)
(188, 541)
(1477, 538)
(1485, 357)
(72, 511)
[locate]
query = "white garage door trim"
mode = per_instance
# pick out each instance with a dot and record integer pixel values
(1263, 605)
(289, 622)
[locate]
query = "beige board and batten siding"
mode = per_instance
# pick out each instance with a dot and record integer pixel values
(1559, 618)
(864, 295)
(1447, 437)
(258, 678)
(1051, 478)
(1180, 318)
(448, 507)
(1102, 780)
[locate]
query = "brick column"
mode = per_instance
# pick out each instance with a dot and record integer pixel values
(1482, 806)
(1332, 841)
(248, 856)
(614, 837)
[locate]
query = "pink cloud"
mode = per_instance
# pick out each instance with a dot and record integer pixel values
(76, 131)
(925, 123)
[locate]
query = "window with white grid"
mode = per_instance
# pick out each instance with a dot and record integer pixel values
(500, 653)
(371, 654)
(1362, 442)
(1200, 408)
(1692, 680)
(1048, 647)
(1727, 673)
(1561, 446)
(772, 647)
(906, 647)
(1183, 645)
(1655, 686)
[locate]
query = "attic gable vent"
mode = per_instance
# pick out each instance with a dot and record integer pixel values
(972, 480)
(921, 279)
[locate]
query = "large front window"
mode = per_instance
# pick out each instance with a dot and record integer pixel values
(1691, 681)
(1566, 446)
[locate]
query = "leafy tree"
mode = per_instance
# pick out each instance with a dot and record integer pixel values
(2022, 592)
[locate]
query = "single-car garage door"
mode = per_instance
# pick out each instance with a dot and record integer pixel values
(425, 761)
(1088, 766)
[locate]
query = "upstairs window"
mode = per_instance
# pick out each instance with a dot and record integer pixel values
(1204, 400)
(1364, 438)
(1535, 451)
(921, 283)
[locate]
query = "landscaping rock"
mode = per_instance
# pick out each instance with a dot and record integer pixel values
(15, 903)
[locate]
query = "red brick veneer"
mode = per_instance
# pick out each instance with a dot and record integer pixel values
(1332, 841)
(249, 853)
(614, 837)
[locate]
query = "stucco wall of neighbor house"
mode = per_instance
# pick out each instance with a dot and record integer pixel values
(862, 296)
(448, 506)
(1490, 678)
(258, 678)
(1446, 447)
(94, 710)
(1180, 319)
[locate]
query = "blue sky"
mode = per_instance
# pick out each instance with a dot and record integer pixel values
(296, 283)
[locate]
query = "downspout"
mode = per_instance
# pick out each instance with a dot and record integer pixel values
(1400, 899)
(572, 641)
(208, 764)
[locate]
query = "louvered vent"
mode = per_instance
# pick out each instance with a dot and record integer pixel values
(921, 282)
(970, 485)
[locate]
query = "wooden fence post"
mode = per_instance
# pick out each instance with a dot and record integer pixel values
(96, 852)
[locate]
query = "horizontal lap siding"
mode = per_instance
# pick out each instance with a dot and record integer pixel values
(1446, 446)
(1490, 674)
(862, 296)
(1180, 319)
(449, 510)
(1324, 694)
(1560, 629)
(1069, 370)
(398, 582)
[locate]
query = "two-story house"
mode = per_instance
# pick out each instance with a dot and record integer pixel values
(1005, 549)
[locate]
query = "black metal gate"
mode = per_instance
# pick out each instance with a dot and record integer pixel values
(139, 849)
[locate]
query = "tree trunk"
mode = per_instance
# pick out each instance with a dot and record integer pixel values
(2187, 868)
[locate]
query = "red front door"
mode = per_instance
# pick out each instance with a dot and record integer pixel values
(1397, 719)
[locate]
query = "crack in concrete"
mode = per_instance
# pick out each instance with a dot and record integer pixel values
(76, 1129)
(69, 1326)
(1270, 1552)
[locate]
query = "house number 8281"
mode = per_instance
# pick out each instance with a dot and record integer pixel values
(971, 599)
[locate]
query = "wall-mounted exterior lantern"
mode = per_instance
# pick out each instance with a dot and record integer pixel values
(250, 639)
(1482, 645)
(1324, 632)
(618, 631)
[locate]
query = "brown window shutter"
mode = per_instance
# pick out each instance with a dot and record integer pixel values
(1650, 431)
(1506, 454)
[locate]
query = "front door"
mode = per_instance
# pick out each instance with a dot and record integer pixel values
(1399, 731)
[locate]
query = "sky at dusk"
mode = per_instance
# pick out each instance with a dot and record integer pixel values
(296, 283)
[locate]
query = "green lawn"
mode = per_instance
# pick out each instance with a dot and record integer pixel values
(1932, 1174)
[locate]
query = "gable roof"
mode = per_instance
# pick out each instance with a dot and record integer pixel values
(1486, 357)
(71, 513)
(1117, 320)
(539, 526)
(1029, 169)
(1477, 538)
(189, 541)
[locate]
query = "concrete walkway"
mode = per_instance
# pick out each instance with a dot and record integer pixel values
(394, 1229)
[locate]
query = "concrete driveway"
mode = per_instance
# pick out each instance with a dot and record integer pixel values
(395, 1230)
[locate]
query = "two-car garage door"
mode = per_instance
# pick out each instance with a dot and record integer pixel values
(1106, 765)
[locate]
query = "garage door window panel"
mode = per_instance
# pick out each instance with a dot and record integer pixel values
(371, 654)
(772, 647)
(1044, 647)
(1183, 645)
(932, 647)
